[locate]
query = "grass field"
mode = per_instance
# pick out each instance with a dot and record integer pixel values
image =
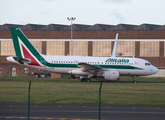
(148, 91)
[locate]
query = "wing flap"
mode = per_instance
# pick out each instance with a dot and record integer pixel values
(90, 68)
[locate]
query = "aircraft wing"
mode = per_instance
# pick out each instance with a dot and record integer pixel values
(90, 68)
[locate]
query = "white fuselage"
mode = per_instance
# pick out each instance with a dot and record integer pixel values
(126, 66)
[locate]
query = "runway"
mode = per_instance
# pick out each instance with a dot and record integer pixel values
(53, 111)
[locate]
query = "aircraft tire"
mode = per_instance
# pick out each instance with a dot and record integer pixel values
(135, 82)
(88, 80)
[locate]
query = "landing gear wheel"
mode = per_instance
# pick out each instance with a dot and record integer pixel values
(88, 80)
(82, 80)
(134, 80)
(85, 80)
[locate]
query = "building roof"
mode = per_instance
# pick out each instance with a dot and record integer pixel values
(53, 27)
(97, 27)
(31, 27)
(82, 27)
(7, 26)
(122, 27)
(146, 27)
(76, 27)
(160, 28)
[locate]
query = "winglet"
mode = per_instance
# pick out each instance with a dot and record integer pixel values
(115, 47)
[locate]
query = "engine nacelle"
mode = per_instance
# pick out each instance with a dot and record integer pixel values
(111, 75)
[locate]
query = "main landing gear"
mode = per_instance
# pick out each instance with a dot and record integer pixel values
(134, 79)
(84, 79)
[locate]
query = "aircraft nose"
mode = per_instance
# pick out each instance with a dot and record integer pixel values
(155, 70)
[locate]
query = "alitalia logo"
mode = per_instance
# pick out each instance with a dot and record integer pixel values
(117, 60)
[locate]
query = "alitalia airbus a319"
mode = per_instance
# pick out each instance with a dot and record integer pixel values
(107, 68)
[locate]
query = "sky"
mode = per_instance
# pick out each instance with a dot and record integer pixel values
(88, 12)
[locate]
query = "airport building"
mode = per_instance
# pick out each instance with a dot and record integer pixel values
(146, 41)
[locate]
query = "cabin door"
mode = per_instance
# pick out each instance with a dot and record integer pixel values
(137, 63)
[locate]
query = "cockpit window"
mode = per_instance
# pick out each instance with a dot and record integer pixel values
(147, 64)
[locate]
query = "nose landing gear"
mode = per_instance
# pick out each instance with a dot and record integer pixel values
(134, 79)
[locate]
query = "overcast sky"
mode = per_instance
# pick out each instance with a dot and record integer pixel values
(87, 12)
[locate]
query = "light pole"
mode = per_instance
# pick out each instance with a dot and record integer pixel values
(71, 19)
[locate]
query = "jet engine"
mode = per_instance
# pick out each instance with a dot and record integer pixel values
(111, 75)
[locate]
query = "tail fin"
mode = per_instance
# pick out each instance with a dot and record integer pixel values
(23, 48)
(115, 47)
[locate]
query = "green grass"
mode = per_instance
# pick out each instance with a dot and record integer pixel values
(63, 90)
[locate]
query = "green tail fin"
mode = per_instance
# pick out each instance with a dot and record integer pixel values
(23, 47)
(17, 36)
(15, 42)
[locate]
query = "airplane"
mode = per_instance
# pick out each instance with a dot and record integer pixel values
(107, 68)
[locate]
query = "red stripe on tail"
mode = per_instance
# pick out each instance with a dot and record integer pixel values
(28, 56)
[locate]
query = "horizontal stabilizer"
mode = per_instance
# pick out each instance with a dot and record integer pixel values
(22, 60)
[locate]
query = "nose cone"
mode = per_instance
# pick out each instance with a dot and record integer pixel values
(155, 70)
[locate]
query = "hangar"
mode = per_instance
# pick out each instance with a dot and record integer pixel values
(146, 41)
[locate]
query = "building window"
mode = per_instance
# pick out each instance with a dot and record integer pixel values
(0, 70)
(101, 48)
(80, 48)
(7, 48)
(55, 48)
(149, 48)
(26, 70)
(125, 48)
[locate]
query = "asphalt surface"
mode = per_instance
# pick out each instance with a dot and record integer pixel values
(52, 111)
